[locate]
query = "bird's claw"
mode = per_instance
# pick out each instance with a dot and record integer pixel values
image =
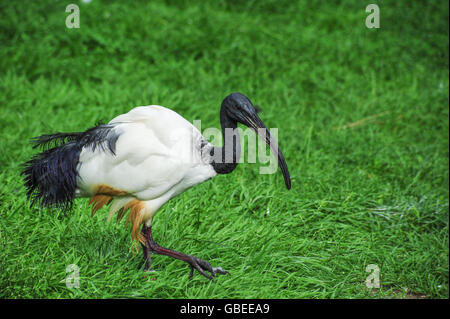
(202, 266)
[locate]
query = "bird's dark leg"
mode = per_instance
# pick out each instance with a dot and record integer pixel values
(146, 250)
(200, 265)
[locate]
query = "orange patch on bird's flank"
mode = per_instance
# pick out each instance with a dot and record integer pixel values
(104, 194)
(108, 190)
(98, 201)
(136, 217)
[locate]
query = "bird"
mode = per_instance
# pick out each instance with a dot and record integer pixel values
(139, 161)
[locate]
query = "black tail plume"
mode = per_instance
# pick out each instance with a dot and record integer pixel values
(51, 176)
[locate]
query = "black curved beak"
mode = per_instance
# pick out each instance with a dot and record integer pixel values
(255, 123)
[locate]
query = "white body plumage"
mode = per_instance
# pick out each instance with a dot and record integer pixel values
(158, 155)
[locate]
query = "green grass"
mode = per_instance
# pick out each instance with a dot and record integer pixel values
(372, 192)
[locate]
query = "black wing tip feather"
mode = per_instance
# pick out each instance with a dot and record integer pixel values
(51, 175)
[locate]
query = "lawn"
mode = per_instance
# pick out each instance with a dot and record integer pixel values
(362, 117)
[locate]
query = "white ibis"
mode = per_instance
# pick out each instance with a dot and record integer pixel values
(137, 162)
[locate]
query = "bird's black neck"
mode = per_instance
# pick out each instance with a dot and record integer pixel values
(226, 158)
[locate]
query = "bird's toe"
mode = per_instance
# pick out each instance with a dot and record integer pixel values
(203, 266)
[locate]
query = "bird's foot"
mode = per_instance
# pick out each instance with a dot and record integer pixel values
(200, 265)
(203, 266)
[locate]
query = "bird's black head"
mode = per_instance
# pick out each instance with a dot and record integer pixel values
(237, 107)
